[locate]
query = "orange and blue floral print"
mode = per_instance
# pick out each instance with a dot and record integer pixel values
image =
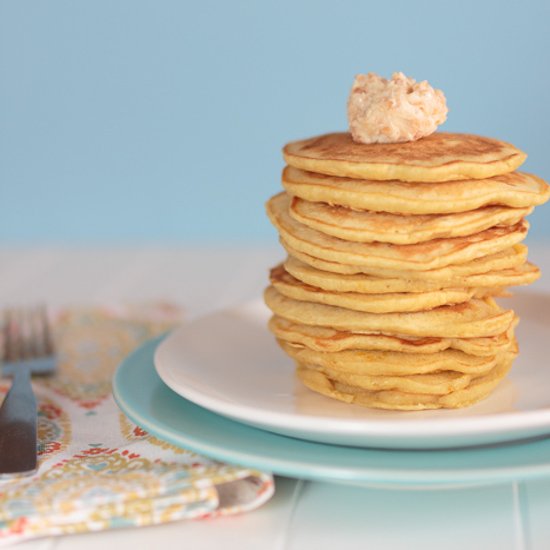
(97, 469)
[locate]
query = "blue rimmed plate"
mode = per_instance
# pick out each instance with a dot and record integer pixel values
(147, 401)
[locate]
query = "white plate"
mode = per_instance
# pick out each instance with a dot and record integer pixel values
(144, 398)
(229, 363)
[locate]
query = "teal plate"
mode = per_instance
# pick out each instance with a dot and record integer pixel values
(148, 402)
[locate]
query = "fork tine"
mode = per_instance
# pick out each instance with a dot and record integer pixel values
(40, 331)
(49, 348)
(27, 333)
(35, 336)
(22, 334)
(5, 335)
(18, 334)
(21, 330)
(11, 336)
(48, 338)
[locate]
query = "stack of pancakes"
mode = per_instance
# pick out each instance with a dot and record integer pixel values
(395, 252)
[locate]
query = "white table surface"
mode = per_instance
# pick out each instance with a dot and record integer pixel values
(302, 515)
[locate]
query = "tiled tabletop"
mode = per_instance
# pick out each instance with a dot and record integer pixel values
(302, 515)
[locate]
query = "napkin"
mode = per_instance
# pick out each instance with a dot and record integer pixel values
(97, 470)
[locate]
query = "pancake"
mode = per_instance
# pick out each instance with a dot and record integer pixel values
(440, 383)
(473, 319)
(478, 389)
(365, 226)
(291, 287)
(325, 339)
(436, 158)
(515, 190)
(363, 283)
(414, 257)
(509, 258)
(513, 256)
(432, 384)
(390, 363)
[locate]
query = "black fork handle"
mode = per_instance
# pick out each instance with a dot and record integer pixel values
(18, 442)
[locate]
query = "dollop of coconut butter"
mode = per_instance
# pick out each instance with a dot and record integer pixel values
(395, 110)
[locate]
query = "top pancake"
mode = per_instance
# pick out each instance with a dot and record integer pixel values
(436, 158)
(516, 190)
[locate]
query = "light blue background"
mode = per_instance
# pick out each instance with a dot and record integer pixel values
(133, 121)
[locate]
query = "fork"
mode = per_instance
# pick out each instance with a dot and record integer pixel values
(28, 348)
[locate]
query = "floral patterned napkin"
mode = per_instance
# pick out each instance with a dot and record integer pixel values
(97, 469)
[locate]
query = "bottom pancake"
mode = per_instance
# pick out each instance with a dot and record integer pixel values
(479, 388)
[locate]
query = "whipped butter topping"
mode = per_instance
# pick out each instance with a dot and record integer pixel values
(395, 110)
